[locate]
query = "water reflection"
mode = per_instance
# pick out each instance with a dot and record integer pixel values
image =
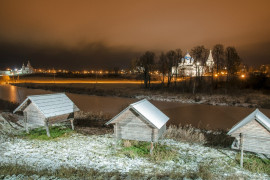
(213, 117)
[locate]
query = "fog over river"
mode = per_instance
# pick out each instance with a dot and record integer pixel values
(199, 115)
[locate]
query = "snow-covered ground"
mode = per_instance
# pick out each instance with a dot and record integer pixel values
(100, 153)
(216, 100)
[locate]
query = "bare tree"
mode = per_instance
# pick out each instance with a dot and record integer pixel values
(178, 59)
(162, 65)
(218, 56)
(146, 62)
(200, 54)
(171, 56)
(232, 61)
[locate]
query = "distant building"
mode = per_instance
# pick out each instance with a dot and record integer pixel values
(188, 66)
(209, 63)
(5, 73)
(28, 69)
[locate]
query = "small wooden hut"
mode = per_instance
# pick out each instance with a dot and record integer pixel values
(47, 109)
(140, 121)
(252, 133)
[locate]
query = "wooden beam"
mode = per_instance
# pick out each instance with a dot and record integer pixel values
(72, 125)
(241, 148)
(151, 148)
(47, 127)
(25, 122)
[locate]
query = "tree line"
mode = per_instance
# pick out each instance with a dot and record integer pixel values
(224, 59)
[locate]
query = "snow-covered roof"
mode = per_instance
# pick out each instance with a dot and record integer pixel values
(50, 104)
(148, 111)
(258, 116)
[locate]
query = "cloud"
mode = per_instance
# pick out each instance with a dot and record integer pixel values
(94, 55)
(255, 53)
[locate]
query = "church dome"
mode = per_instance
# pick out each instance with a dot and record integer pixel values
(187, 56)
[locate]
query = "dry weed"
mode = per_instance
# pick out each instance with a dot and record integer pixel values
(127, 143)
(185, 133)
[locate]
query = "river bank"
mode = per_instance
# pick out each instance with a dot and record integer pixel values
(202, 116)
(251, 99)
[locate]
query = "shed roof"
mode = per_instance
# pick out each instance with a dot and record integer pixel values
(258, 116)
(50, 104)
(148, 111)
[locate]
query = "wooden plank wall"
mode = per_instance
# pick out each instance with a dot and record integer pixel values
(132, 127)
(34, 116)
(255, 137)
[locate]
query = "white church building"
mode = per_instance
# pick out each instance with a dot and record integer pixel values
(188, 66)
(28, 69)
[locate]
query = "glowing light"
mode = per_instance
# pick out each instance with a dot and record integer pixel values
(216, 75)
(243, 76)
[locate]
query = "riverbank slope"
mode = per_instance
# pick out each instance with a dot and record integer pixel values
(100, 156)
(241, 98)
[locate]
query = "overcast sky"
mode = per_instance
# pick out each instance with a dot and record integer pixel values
(105, 34)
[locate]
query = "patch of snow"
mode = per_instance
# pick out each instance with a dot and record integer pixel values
(99, 153)
(215, 100)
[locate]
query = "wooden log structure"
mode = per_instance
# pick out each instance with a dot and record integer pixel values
(252, 134)
(47, 109)
(140, 121)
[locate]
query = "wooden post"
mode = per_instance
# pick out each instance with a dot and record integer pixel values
(72, 125)
(241, 148)
(115, 135)
(25, 122)
(47, 127)
(151, 148)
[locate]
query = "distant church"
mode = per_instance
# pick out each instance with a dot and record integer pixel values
(28, 69)
(188, 67)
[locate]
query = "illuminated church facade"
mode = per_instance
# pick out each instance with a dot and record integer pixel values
(28, 69)
(189, 68)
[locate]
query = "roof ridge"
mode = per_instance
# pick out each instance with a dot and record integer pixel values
(138, 102)
(46, 94)
(255, 114)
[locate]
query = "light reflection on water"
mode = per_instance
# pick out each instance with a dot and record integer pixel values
(213, 117)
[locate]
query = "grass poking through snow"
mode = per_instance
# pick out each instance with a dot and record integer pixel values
(41, 134)
(254, 163)
(133, 149)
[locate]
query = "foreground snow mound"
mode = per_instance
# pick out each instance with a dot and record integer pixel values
(100, 153)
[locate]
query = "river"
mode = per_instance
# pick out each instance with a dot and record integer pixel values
(198, 115)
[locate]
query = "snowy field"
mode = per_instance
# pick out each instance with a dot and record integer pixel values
(100, 152)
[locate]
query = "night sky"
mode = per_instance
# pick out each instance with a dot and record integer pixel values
(106, 34)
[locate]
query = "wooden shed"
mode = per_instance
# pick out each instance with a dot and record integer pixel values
(47, 109)
(252, 133)
(140, 121)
